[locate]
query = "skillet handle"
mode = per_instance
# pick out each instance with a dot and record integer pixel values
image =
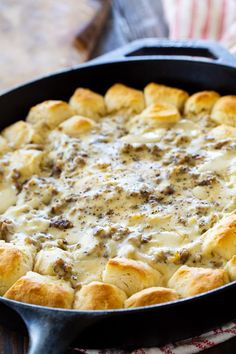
(49, 334)
(50, 330)
(155, 48)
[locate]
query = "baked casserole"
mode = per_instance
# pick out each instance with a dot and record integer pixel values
(120, 201)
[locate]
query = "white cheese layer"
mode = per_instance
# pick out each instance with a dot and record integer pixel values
(148, 196)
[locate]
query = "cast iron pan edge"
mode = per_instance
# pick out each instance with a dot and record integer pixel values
(52, 330)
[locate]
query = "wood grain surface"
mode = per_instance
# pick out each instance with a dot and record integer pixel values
(37, 37)
(72, 29)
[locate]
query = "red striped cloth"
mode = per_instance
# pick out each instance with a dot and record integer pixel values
(189, 346)
(206, 19)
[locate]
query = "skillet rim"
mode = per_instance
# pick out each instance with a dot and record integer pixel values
(99, 63)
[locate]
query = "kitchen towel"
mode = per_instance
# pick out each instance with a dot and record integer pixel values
(188, 346)
(203, 19)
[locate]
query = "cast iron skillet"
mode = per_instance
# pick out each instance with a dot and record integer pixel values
(192, 66)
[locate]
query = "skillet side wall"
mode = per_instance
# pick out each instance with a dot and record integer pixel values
(151, 326)
(189, 75)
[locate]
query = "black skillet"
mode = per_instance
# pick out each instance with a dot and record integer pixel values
(192, 66)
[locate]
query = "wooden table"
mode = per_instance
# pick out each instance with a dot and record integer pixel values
(128, 20)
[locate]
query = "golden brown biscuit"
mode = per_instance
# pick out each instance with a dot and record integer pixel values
(26, 162)
(151, 296)
(221, 238)
(99, 296)
(14, 262)
(42, 290)
(130, 276)
(76, 125)
(21, 133)
(231, 268)
(224, 111)
(223, 131)
(121, 97)
(200, 103)
(88, 103)
(51, 113)
(155, 93)
(190, 281)
(54, 261)
(3, 145)
(159, 115)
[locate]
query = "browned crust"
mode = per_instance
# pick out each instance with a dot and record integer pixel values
(221, 239)
(224, 111)
(151, 296)
(156, 93)
(190, 281)
(88, 103)
(39, 292)
(200, 102)
(10, 257)
(121, 97)
(99, 296)
(13, 264)
(51, 113)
